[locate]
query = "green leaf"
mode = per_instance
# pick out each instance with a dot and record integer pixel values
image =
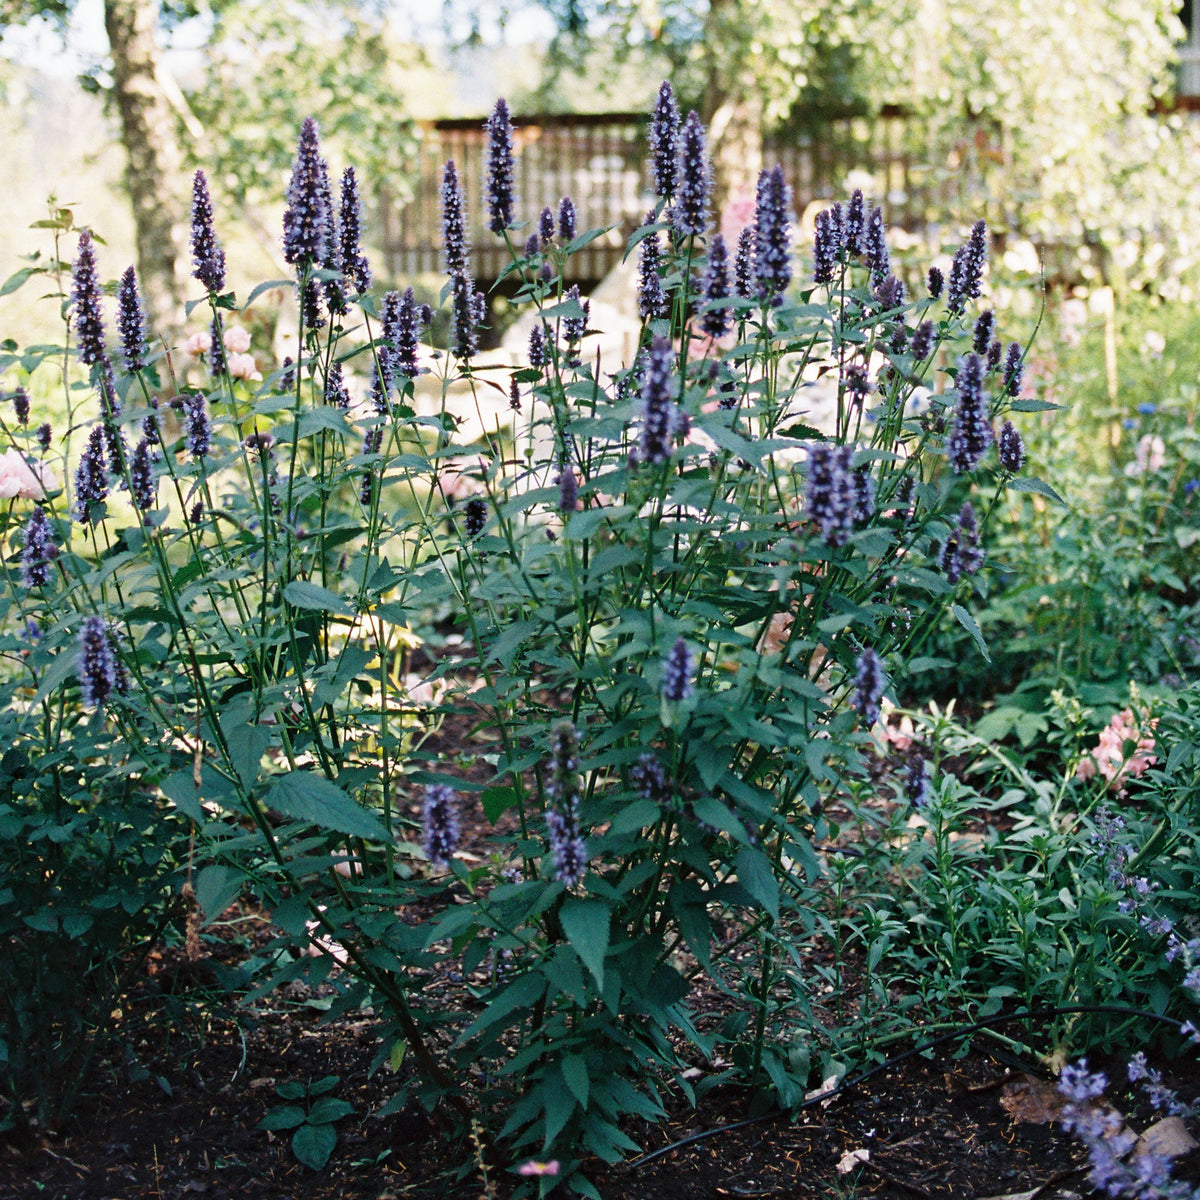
(575, 1075)
(286, 1116)
(755, 875)
(496, 801)
(19, 279)
(585, 922)
(1030, 484)
(269, 286)
(217, 888)
(309, 797)
(329, 1109)
(1034, 406)
(971, 625)
(247, 744)
(302, 594)
(313, 1144)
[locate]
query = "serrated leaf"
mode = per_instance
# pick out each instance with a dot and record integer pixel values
(585, 922)
(1039, 486)
(217, 888)
(286, 1116)
(309, 797)
(755, 875)
(971, 625)
(302, 594)
(496, 801)
(268, 286)
(313, 1144)
(1034, 406)
(575, 1074)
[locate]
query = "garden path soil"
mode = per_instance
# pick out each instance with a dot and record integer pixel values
(174, 1117)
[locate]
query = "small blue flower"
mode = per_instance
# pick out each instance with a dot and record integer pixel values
(1191, 486)
(1147, 409)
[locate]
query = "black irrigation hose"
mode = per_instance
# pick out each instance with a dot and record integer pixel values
(849, 1081)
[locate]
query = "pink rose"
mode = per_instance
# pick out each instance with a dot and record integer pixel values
(198, 345)
(237, 340)
(242, 366)
(20, 478)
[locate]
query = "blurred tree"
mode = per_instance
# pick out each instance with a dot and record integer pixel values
(153, 171)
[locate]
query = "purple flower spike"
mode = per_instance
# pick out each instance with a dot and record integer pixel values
(141, 477)
(546, 226)
(962, 555)
(20, 401)
(971, 434)
(38, 549)
(466, 312)
(772, 266)
(454, 229)
(1014, 369)
(936, 282)
(208, 259)
(714, 288)
(875, 248)
(831, 496)
(689, 213)
(131, 322)
(475, 516)
(922, 341)
(827, 247)
(567, 846)
(1010, 449)
(966, 271)
(539, 353)
(441, 824)
(307, 221)
(45, 436)
(405, 335)
(355, 267)
(197, 427)
(91, 475)
(85, 293)
(500, 168)
(981, 335)
(745, 281)
(659, 412)
(652, 300)
(664, 143)
(677, 673)
(855, 224)
(566, 220)
(568, 490)
(96, 663)
(868, 686)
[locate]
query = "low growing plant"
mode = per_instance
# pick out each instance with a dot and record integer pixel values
(682, 592)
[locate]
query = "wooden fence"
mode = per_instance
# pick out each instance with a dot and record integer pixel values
(600, 160)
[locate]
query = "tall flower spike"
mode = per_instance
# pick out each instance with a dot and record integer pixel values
(406, 336)
(131, 322)
(567, 846)
(1010, 449)
(677, 673)
(38, 549)
(208, 259)
(464, 318)
(826, 247)
(830, 492)
(714, 288)
(568, 490)
(85, 293)
(91, 475)
(355, 267)
(141, 477)
(961, 554)
(454, 229)
(772, 266)
(966, 270)
(664, 143)
(196, 425)
(96, 663)
(658, 408)
(306, 221)
(440, 816)
(652, 300)
(855, 224)
(336, 394)
(546, 226)
(566, 220)
(689, 213)
(981, 334)
(875, 248)
(500, 196)
(20, 401)
(971, 433)
(745, 282)
(868, 686)
(475, 516)
(1014, 369)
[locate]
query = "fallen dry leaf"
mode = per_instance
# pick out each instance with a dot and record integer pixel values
(852, 1159)
(1168, 1138)
(1033, 1101)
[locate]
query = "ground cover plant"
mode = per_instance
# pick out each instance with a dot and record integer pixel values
(681, 588)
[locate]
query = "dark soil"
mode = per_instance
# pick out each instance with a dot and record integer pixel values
(174, 1115)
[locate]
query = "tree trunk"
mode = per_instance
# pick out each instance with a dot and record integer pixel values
(733, 105)
(153, 175)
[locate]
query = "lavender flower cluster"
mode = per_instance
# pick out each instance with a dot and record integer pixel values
(567, 846)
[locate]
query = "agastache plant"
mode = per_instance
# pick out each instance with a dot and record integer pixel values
(500, 194)
(208, 258)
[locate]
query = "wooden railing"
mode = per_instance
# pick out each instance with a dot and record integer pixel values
(600, 160)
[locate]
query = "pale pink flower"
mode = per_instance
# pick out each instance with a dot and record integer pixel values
(1108, 758)
(237, 340)
(20, 478)
(199, 344)
(539, 1168)
(1150, 456)
(242, 366)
